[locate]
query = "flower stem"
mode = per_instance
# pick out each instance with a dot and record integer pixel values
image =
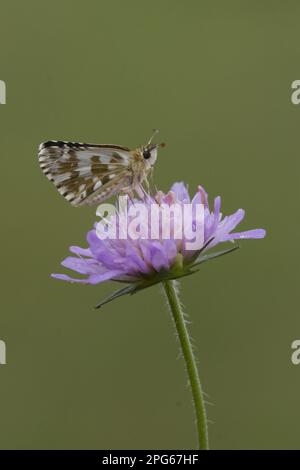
(188, 354)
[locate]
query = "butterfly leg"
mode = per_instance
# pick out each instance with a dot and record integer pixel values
(140, 191)
(147, 184)
(152, 186)
(130, 194)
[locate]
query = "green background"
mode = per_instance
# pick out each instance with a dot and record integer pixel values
(215, 78)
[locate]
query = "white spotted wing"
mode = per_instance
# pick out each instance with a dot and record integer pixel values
(86, 174)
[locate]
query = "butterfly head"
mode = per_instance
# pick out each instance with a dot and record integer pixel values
(149, 151)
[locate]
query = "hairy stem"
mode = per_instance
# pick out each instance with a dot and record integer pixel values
(188, 355)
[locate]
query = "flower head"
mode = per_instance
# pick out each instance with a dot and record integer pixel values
(142, 261)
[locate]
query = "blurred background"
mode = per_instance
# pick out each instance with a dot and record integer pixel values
(215, 78)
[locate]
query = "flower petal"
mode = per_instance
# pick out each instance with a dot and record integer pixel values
(227, 225)
(255, 233)
(82, 266)
(77, 250)
(97, 278)
(181, 192)
(135, 259)
(202, 194)
(102, 250)
(159, 258)
(212, 221)
(64, 277)
(170, 249)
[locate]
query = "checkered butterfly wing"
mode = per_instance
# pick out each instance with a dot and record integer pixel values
(86, 174)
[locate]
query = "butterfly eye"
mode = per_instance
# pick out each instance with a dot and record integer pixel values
(146, 154)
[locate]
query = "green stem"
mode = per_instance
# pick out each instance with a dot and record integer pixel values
(185, 343)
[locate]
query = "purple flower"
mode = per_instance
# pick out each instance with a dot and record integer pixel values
(143, 262)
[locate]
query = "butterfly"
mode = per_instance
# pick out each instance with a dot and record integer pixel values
(87, 174)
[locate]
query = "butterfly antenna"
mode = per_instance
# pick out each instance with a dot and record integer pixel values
(155, 131)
